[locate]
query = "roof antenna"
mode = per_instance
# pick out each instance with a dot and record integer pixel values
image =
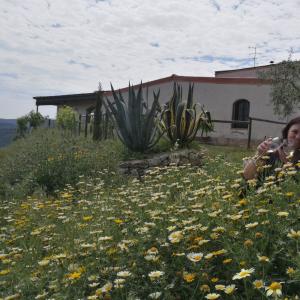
(254, 55)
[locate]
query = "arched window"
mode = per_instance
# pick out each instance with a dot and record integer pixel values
(240, 112)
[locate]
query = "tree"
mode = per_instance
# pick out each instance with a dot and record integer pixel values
(285, 93)
(35, 119)
(25, 123)
(22, 126)
(66, 118)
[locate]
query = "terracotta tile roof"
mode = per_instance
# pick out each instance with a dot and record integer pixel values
(60, 99)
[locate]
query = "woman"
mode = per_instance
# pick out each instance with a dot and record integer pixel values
(290, 134)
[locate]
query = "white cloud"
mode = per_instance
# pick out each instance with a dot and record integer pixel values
(59, 47)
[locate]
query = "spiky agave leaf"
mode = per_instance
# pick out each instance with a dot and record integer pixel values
(136, 125)
(150, 122)
(122, 132)
(206, 125)
(181, 119)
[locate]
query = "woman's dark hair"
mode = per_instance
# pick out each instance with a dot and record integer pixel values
(287, 127)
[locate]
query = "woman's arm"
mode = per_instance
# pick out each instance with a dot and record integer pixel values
(250, 168)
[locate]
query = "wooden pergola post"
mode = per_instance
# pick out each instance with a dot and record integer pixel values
(249, 133)
(86, 124)
(79, 124)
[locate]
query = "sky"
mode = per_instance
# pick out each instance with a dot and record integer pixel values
(56, 47)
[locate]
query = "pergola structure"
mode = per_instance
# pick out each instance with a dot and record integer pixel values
(65, 99)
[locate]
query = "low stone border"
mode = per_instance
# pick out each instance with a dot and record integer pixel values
(139, 167)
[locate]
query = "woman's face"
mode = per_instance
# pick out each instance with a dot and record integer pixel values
(294, 136)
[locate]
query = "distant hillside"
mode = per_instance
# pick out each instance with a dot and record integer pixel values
(7, 131)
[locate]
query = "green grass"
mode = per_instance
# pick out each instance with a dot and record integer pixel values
(48, 160)
(187, 223)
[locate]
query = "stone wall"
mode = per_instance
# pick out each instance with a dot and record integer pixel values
(139, 167)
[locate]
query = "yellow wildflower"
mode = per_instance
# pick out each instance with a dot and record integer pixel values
(4, 272)
(243, 202)
(219, 252)
(220, 287)
(189, 277)
(195, 257)
(154, 275)
(212, 296)
(294, 234)
(74, 275)
(118, 221)
(258, 284)
(258, 235)
(263, 258)
(289, 194)
(155, 295)
(290, 271)
(230, 289)
(283, 214)
(243, 274)
(204, 288)
(44, 262)
(124, 274)
(248, 243)
(227, 261)
(274, 289)
(175, 237)
(251, 225)
(105, 289)
(209, 255)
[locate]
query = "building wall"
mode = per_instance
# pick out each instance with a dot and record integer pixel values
(242, 73)
(79, 107)
(219, 99)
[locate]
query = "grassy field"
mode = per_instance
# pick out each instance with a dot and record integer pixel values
(180, 233)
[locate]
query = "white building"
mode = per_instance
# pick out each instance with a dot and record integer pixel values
(230, 95)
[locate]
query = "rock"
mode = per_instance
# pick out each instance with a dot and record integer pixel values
(165, 162)
(124, 164)
(154, 162)
(138, 168)
(164, 157)
(123, 171)
(138, 164)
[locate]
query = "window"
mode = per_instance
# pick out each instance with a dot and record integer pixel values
(240, 112)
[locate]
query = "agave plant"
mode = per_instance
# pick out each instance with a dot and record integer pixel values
(206, 126)
(137, 125)
(181, 120)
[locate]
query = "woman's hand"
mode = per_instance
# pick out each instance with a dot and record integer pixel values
(264, 147)
(282, 155)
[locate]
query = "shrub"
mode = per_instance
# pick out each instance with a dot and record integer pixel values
(35, 119)
(25, 123)
(66, 118)
(49, 159)
(22, 126)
